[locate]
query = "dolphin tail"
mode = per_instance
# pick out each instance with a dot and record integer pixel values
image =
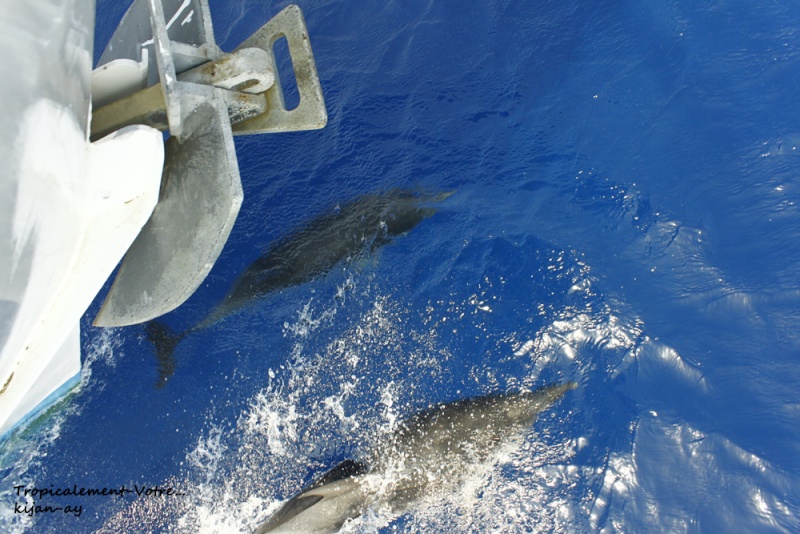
(164, 341)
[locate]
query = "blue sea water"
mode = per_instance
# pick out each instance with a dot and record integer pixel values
(625, 216)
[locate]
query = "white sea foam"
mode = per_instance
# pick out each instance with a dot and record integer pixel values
(303, 416)
(339, 391)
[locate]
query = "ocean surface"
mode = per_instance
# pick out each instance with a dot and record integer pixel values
(625, 215)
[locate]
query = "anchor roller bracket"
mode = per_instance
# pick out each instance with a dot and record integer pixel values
(202, 97)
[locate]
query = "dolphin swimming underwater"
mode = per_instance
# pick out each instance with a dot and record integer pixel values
(353, 230)
(429, 453)
(358, 227)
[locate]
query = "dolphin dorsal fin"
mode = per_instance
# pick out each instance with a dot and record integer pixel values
(346, 469)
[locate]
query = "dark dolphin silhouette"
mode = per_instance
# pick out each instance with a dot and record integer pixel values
(351, 231)
(428, 453)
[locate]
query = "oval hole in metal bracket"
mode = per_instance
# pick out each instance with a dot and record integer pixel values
(283, 60)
